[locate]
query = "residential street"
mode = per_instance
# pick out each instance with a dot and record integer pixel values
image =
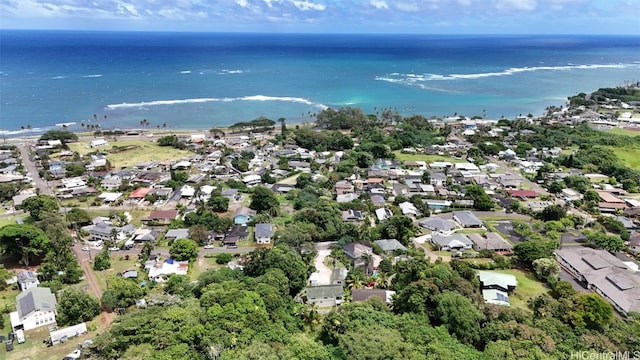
(33, 170)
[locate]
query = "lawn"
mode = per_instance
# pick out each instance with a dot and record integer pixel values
(629, 156)
(424, 157)
(527, 288)
(203, 264)
(619, 131)
(145, 151)
(7, 221)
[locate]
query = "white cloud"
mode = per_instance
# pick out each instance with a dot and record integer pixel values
(379, 4)
(516, 5)
(124, 8)
(242, 3)
(407, 7)
(307, 5)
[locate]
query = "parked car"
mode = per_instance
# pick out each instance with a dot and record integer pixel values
(9, 345)
(85, 248)
(20, 336)
(75, 354)
(115, 248)
(209, 246)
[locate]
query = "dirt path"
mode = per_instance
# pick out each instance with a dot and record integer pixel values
(106, 318)
(428, 253)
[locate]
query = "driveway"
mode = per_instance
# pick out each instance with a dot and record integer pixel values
(424, 244)
(324, 250)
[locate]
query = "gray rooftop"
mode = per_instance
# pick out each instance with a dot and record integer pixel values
(35, 299)
(390, 245)
(177, 234)
(467, 218)
(324, 291)
(606, 274)
(437, 223)
(489, 241)
(264, 231)
(453, 240)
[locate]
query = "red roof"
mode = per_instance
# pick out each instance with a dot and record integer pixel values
(523, 193)
(163, 215)
(139, 193)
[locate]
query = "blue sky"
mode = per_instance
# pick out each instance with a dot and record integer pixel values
(329, 16)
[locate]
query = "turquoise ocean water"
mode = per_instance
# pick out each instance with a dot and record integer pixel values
(200, 80)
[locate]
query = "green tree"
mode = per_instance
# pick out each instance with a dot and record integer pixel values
(102, 261)
(24, 242)
(546, 268)
(553, 212)
(179, 285)
(590, 311)
(40, 204)
(78, 216)
(75, 306)
(184, 249)
(529, 251)
(223, 258)
(218, 204)
(264, 200)
(199, 233)
(460, 316)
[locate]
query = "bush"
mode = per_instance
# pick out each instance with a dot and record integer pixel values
(223, 258)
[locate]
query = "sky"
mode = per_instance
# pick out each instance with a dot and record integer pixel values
(329, 16)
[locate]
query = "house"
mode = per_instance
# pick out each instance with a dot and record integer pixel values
(263, 233)
(175, 234)
(98, 143)
(160, 271)
(408, 209)
(111, 183)
(496, 286)
(437, 224)
(356, 249)
(378, 200)
(522, 193)
(390, 245)
(352, 215)
(345, 198)
(252, 180)
(359, 295)
(35, 307)
(229, 193)
(438, 179)
(383, 214)
(110, 197)
(344, 187)
(451, 242)
(235, 234)
(571, 195)
(603, 273)
(467, 219)
(325, 295)
(489, 241)
(27, 279)
(162, 216)
(243, 215)
(634, 243)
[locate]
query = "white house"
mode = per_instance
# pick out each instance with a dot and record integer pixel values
(27, 280)
(36, 307)
(98, 143)
(263, 233)
(161, 271)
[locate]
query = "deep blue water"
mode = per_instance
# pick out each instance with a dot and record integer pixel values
(200, 80)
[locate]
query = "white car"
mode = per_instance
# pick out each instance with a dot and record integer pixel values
(209, 246)
(85, 248)
(115, 248)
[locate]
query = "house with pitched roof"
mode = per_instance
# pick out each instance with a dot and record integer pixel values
(496, 286)
(605, 274)
(27, 280)
(35, 307)
(264, 233)
(451, 242)
(467, 219)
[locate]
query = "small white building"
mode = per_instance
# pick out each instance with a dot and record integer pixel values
(27, 280)
(98, 143)
(160, 271)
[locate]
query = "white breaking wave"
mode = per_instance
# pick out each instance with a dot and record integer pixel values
(413, 79)
(207, 100)
(185, 72)
(58, 77)
(226, 71)
(93, 76)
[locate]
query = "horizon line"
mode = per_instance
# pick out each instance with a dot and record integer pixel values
(178, 31)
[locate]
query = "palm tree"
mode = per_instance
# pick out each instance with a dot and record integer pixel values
(283, 127)
(105, 118)
(114, 237)
(164, 126)
(355, 282)
(144, 123)
(368, 259)
(95, 117)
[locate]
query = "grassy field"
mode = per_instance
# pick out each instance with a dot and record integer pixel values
(629, 156)
(7, 221)
(527, 288)
(424, 157)
(619, 131)
(34, 348)
(145, 151)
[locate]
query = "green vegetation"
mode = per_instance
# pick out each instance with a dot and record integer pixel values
(629, 156)
(143, 151)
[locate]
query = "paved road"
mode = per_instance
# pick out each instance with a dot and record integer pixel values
(33, 170)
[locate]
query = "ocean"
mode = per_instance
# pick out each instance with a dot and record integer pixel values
(203, 80)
